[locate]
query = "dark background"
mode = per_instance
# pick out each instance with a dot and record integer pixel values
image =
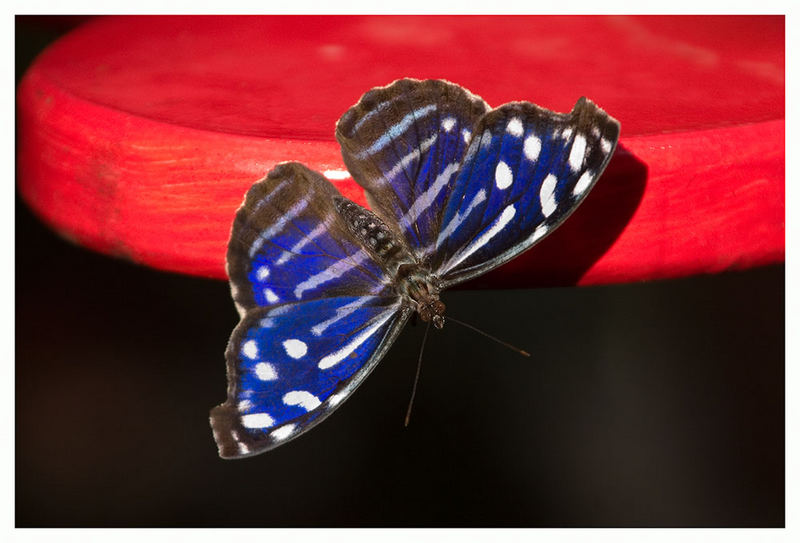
(654, 404)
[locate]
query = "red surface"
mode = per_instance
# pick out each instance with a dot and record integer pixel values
(138, 136)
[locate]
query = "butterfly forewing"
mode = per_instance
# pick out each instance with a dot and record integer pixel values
(404, 144)
(525, 171)
(289, 245)
(318, 312)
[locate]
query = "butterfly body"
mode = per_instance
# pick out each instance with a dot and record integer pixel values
(324, 285)
(418, 288)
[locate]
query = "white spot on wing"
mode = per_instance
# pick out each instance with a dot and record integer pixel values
(250, 349)
(257, 420)
(295, 348)
(301, 398)
(266, 371)
(583, 183)
(410, 157)
(396, 130)
(283, 432)
(244, 405)
(425, 199)
(376, 109)
(293, 212)
(577, 152)
(605, 145)
(448, 123)
(456, 221)
(330, 273)
(262, 273)
(532, 147)
(337, 356)
(466, 135)
(341, 312)
(305, 240)
(503, 176)
(547, 195)
(269, 196)
(539, 232)
(280, 310)
(336, 399)
(514, 127)
(501, 222)
(270, 295)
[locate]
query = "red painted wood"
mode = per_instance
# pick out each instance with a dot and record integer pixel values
(138, 136)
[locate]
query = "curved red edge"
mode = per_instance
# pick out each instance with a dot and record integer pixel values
(164, 195)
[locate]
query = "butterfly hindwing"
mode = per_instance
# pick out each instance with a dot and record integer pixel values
(404, 143)
(317, 312)
(291, 365)
(525, 171)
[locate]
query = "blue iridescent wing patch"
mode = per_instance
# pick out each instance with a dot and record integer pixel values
(324, 286)
(291, 365)
(317, 312)
(525, 171)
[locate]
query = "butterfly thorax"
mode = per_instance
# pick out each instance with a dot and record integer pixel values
(413, 282)
(421, 288)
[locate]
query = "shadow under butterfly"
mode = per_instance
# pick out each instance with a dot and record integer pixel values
(323, 285)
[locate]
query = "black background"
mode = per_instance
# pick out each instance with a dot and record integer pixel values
(658, 404)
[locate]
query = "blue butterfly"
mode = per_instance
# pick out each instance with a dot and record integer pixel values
(323, 285)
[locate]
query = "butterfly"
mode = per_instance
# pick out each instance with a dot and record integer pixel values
(323, 285)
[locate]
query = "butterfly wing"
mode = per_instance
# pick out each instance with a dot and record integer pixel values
(404, 144)
(318, 313)
(525, 171)
(469, 188)
(283, 378)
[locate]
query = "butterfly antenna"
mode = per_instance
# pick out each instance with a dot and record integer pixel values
(416, 378)
(501, 342)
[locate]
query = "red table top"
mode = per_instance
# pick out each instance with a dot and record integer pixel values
(138, 136)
